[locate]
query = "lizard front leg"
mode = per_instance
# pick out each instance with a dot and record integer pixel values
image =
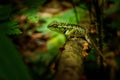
(70, 33)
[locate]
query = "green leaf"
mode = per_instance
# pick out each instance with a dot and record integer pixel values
(11, 65)
(69, 16)
(32, 14)
(10, 28)
(56, 42)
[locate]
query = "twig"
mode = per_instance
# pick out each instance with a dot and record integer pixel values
(99, 52)
(75, 11)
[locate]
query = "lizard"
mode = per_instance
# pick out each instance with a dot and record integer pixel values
(70, 30)
(74, 31)
(69, 66)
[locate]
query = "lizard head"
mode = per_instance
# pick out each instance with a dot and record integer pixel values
(55, 26)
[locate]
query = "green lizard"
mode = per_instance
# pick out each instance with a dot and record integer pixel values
(70, 30)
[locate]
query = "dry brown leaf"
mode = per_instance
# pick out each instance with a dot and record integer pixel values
(85, 46)
(36, 35)
(45, 14)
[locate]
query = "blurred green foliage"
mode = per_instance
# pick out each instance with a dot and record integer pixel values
(31, 14)
(12, 67)
(5, 11)
(10, 28)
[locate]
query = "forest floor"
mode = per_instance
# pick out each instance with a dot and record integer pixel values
(33, 43)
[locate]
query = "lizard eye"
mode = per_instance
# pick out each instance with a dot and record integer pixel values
(55, 25)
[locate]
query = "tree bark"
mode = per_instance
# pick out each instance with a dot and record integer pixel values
(70, 61)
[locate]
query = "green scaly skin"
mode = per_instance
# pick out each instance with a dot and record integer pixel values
(70, 30)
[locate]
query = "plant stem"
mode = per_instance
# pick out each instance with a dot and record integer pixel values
(75, 11)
